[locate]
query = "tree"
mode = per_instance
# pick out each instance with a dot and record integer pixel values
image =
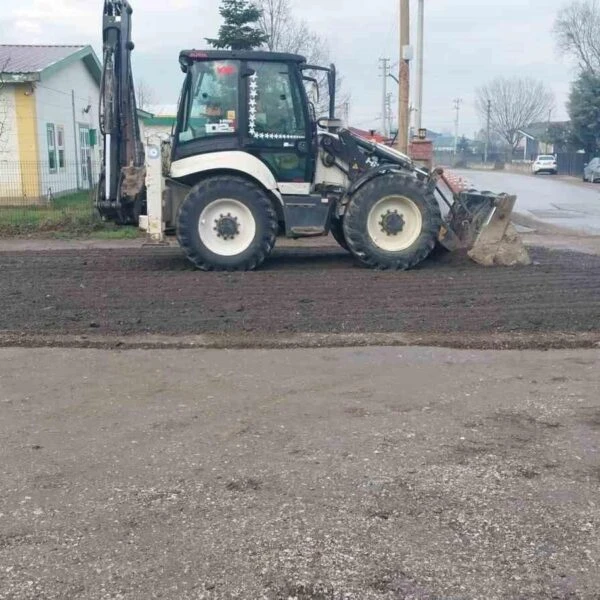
(464, 146)
(144, 94)
(287, 34)
(577, 32)
(559, 136)
(241, 30)
(584, 110)
(515, 104)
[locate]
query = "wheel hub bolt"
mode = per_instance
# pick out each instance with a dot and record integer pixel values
(227, 226)
(392, 223)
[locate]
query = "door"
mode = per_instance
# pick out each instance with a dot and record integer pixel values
(85, 155)
(278, 125)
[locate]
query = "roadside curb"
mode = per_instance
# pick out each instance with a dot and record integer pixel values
(485, 341)
(542, 227)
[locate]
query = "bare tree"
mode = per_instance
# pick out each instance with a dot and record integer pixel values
(577, 31)
(144, 94)
(274, 22)
(515, 103)
(288, 34)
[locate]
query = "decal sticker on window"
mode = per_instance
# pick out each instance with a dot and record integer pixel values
(253, 117)
(223, 126)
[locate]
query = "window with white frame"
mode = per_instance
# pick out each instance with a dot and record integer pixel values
(60, 144)
(51, 140)
(55, 135)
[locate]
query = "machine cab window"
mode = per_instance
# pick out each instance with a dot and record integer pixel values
(276, 110)
(212, 107)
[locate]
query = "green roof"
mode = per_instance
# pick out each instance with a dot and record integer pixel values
(165, 120)
(144, 114)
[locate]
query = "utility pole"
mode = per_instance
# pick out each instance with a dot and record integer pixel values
(404, 97)
(385, 62)
(346, 113)
(457, 103)
(389, 113)
(487, 133)
(420, 60)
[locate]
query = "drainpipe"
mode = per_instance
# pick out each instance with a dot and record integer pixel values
(75, 137)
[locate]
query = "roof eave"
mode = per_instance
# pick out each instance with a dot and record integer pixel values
(86, 54)
(19, 77)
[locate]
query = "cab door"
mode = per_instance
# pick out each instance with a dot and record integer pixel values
(278, 125)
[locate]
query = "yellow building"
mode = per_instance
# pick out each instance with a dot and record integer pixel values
(48, 121)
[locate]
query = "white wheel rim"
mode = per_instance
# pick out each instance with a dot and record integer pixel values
(412, 223)
(232, 211)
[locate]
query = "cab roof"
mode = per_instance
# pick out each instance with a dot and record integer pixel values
(187, 57)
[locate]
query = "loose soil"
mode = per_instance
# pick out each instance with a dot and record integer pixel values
(126, 292)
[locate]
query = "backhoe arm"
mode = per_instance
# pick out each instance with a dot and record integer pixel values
(121, 194)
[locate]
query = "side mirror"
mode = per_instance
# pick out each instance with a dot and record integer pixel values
(315, 85)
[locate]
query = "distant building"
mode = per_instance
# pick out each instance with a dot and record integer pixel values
(156, 125)
(535, 136)
(49, 110)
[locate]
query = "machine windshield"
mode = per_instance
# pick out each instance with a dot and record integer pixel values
(212, 104)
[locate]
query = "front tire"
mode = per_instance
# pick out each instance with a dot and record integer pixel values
(227, 224)
(392, 222)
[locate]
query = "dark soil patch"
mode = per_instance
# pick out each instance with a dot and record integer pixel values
(300, 290)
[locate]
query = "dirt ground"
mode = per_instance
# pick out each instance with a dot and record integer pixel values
(300, 290)
(322, 474)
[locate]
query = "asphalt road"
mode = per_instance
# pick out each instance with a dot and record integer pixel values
(350, 474)
(553, 200)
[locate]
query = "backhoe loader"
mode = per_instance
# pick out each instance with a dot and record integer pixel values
(249, 160)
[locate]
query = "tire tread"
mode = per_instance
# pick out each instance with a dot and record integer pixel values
(187, 222)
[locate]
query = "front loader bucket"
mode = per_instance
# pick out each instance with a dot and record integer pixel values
(480, 223)
(498, 242)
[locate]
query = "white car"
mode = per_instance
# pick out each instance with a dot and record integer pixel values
(545, 163)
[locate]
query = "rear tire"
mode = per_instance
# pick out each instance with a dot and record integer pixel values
(227, 224)
(392, 222)
(337, 231)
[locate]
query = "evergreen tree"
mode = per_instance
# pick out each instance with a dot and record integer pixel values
(464, 145)
(584, 110)
(240, 31)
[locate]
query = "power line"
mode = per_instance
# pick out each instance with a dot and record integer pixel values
(63, 93)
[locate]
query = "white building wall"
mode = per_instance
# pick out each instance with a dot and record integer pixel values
(54, 105)
(10, 170)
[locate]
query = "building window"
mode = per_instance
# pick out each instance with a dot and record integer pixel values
(60, 144)
(50, 134)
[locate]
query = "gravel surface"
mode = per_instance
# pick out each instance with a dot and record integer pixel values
(300, 290)
(360, 474)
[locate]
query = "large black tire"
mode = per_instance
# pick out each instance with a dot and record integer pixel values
(337, 231)
(207, 195)
(406, 191)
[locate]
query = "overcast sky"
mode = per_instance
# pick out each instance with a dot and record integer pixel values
(467, 43)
